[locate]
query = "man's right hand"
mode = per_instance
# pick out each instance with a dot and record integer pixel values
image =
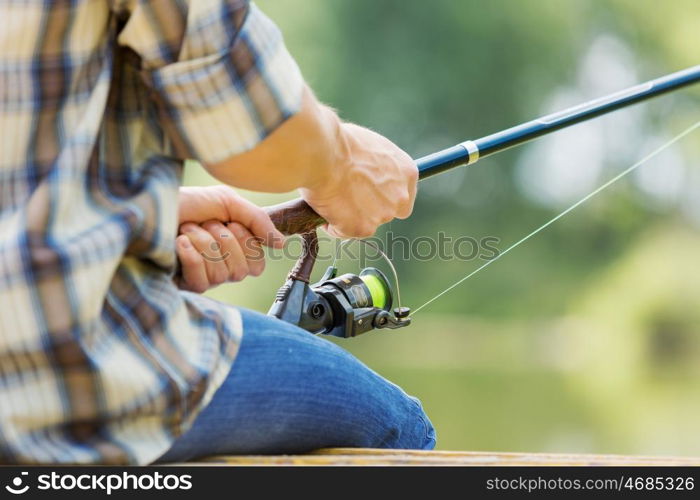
(371, 182)
(353, 177)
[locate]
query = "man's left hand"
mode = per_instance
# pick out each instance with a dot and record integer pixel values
(220, 237)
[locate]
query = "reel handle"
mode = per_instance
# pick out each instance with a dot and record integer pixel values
(294, 217)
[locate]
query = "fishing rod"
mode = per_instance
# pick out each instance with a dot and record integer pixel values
(348, 305)
(469, 152)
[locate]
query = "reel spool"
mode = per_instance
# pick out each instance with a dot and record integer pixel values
(342, 306)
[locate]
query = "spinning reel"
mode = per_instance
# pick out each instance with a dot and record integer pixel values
(342, 306)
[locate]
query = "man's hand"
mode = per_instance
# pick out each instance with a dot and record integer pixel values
(353, 177)
(372, 182)
(220, 237)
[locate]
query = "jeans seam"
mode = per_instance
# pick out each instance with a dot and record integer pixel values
(421, 415)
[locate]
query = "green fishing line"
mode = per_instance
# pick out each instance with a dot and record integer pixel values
(377, 286)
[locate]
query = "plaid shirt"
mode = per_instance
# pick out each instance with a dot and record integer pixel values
(102, 358)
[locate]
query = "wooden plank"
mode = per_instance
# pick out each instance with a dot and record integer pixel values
(376, 457)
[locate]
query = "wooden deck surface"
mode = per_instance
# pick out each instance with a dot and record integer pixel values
(366, 456)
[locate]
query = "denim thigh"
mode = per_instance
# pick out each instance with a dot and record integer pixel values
(291, 392)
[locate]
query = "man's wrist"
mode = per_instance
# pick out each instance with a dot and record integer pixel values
(331, 149)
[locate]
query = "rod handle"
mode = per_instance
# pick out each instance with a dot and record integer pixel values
(294, 217)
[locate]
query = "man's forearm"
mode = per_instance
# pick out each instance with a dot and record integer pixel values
(301, 153)
(351, 176)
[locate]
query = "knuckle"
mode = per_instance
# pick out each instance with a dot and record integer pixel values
(214, 228)
(238, 230)
(219, 273)
(182, 247)
(219, 278)
(187, 227)
(199, 237)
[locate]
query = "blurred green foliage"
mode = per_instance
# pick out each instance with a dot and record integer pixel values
(587, 338)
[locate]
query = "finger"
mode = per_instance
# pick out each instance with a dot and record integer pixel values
(252, 249)
(364, 230)
(210, 251)
(405, 207)
(256, 220)
(332, 231)
(230, 250)
(192, 265)
(336, 232)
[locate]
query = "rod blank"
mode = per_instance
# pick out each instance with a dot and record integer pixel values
(469, 152)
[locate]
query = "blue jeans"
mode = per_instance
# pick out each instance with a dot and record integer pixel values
(291, 392)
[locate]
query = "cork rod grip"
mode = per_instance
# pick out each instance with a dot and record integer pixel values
(294, 217)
